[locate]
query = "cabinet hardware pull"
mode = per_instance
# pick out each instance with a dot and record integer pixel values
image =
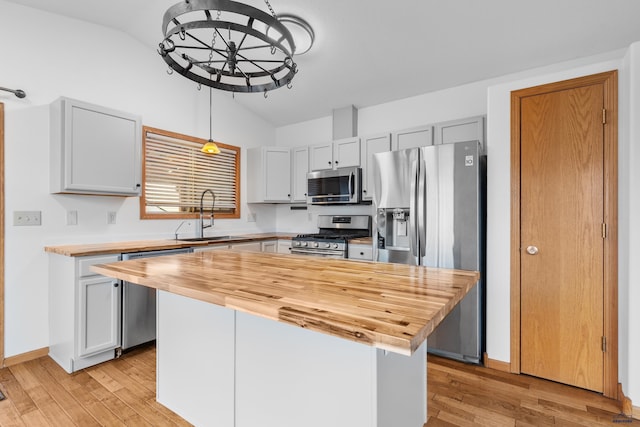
(329, 162)
(116, 284)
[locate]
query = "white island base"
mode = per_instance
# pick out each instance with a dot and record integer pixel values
(224, 368)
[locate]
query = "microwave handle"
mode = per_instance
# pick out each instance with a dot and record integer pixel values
(351, 178)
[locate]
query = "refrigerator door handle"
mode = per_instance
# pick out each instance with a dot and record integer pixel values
(422, 211)
(413, 232)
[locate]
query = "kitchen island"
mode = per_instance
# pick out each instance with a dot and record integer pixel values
(279, 340)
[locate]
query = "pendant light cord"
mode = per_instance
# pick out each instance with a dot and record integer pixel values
(210, 114)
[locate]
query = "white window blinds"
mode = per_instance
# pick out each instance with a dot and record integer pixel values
(177, 172)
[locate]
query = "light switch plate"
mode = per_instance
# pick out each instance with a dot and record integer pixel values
(111, 217)
(72, 217)
(27, 217)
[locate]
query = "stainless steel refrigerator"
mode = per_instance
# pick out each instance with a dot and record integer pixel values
(429, 210)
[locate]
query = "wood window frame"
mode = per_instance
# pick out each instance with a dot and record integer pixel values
(609, 80)
(199, 142)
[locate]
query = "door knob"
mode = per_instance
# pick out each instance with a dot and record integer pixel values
(532, 250)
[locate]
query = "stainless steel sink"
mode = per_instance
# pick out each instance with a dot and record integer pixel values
(205, 239)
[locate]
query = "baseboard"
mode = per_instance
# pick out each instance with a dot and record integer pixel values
(25, 357)
(498, 365)
(626, 406)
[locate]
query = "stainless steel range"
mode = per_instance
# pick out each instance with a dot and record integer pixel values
(333, 236)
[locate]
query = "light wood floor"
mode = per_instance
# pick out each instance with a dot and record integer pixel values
(468, 395)
(122, 392)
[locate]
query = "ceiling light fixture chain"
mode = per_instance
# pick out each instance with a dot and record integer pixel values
(273, 13)
(250, 60)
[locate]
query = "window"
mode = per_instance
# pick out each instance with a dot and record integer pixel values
(176, 173)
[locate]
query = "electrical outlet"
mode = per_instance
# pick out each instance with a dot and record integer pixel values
(72, 217)
(111, 217)
(252, 217)
(27, 217)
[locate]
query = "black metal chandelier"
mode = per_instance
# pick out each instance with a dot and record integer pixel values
(228, 45)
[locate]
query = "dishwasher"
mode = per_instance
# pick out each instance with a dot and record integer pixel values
(139, 304)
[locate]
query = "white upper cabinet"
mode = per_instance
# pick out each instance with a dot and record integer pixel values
(411, 138)
(346, 152)
(469, 129)
(299, 169)
(269, 175)
(341, 153)
(94, 150)
(370, 146)
(321, 156)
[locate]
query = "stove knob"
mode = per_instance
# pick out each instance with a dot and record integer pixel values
(327, 245)
(315, 244)
(335, 246)
(304, 243)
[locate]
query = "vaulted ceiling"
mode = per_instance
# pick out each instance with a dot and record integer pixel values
(369, 52)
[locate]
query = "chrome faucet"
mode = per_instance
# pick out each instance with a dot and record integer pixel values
(213, 205)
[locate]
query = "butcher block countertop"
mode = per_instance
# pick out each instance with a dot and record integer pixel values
(154, 245)
(390, 306)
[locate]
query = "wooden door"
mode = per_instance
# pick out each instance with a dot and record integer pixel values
(563, 259)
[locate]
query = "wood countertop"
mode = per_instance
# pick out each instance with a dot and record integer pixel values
(389, 306)
(154, 245)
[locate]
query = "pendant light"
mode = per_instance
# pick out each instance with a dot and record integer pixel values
(210, 147)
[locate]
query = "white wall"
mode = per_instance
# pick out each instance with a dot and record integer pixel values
(50, 56)
(630, 200)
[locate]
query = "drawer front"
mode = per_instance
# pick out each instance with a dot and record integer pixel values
(360, 252)
(85, 263)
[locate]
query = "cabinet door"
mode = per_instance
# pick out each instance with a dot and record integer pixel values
(469, 129)
(360, 252)
(370, 146)
(277, 174)
(284, 246)
(412, 138)
(220, 247)
(299, 169)
(99, 300)
(94, 150)
(346, 153)
(270, 246)
(321, 156)
(247, 247)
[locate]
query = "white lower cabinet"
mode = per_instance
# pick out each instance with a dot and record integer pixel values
(219, 247)
(360, 252)
(264, 246)
(84, 312)
(99, 323)
(270, 246)
(284, 246)
(247, 247)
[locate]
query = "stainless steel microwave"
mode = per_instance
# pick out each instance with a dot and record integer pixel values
(334, 187)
